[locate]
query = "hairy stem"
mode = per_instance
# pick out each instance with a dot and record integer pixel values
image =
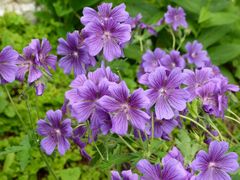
(15, 108)
(128, 145)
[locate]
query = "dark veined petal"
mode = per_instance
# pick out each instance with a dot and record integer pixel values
(149, 171)
(43, 128)
(217, 149)
(119, 14)
(138, 99)
(138, 118)
(109, 104)
(89, 15)
(120, 91)
(111, 50)
(54, 117)
(63, 145)
(34, 74)
(163, 109)
(115, 175)
(82, 110)
(229, 162)
(120, 123)
(201, 161)
(48, 144)
(95, 45)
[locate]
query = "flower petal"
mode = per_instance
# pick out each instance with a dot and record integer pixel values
(48, 145)
(120, 123)
(163, 109)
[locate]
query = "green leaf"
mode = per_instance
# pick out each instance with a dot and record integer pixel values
(204, 15)
(187, 146)
(193, 108)
(8, 162)
(212, 35)
(71, 173)
(10, 111)
(24, 155)
(224, 53)
(61, 9)
(192, 6)
(3, 105)
(78, 4)
(220, 18)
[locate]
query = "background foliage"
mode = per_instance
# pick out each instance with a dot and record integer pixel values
(215, 23)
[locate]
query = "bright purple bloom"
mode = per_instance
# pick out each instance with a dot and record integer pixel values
(27, 63)
(8, 67)
(172, 170)
(162, 128)
(56, 132)
(35, 56)
(126, 175)
(165, 92)
(152, 60)
(124, 107)
(109, 36)
(105, 13)
(174, 59)
(175, 154)
(196, 80)
(196, 55)
(76, 56)
(41, 52)
(175, 17)
(217, 163)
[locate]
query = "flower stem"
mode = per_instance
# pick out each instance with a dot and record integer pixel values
(152, 126)
(173, 38)
(195, 122)
(47, 163)
(99, 152)
(233, 119)
(128, 145)
(15, 108)
(233, 114)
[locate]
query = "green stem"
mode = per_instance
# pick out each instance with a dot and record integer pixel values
(99, 152)
(128, 145)
(233, 114)
(141, 45)
(181, 41)
(47, 163)
(173, 38)
(140, 137)
(152, 119)
(195, 122)
(233, 119)
(15, 108)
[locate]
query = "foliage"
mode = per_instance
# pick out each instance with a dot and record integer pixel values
(215, 23)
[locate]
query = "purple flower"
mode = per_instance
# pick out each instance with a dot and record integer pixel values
(196, 55)
(175, 154)
(149, 28)
(175, 17)
(152, 60)
(124, 107)
(174, 59)
(126, 175)
(56, 132)
(172, 170)
(27, 63)
(162, 128)
(216, 164)
(165, 93)
(134, 21)
(196, 80)
(105, 13)
(35, 56)
(40, 87)
(109, 36)
(41, 52)
(75, 54)
(8, 67)
(78, 133)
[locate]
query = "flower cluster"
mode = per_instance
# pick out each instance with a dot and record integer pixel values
(106, 30)
(36, 61)
(213, 165)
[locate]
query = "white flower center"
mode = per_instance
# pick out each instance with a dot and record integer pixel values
(194, 55)
(125, 108)
(58, 131)
(162, 91)
(211, 164)
(106, 35)
(75, 53)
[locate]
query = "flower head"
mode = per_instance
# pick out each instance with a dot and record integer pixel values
(172, 170)
(8, 67)
(108, 36)
(175, 17)
(124, 107)
(56, 132)
(196, 55)
(216, 164)
(127, 175)
(105, 13)
(174, 59)
(165, 92)
(76, 56)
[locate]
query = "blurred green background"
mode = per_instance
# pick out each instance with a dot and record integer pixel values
(215, 23)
